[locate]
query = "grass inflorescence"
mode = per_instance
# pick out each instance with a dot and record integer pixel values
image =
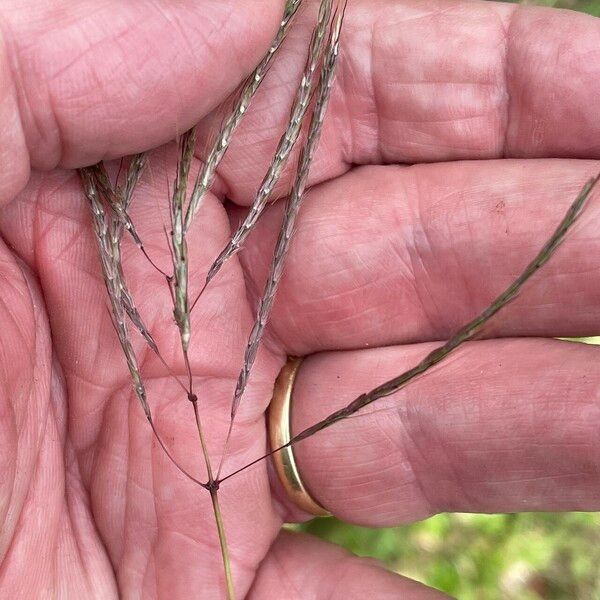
(465, 334)
(292, 208)
(286, 144)
(110, 204)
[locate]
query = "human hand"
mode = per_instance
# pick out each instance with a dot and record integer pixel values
(386, 260)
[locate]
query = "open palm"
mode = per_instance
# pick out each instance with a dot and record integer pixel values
(386, 260)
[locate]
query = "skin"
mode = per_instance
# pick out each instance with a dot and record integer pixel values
(496, 109)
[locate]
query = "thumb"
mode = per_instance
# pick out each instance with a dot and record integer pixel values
(84, 81)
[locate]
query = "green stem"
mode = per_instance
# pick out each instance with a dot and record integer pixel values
(213, 488)
(223, 542)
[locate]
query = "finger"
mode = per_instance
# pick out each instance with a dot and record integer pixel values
(14, 155)
(25, 363)
(435, 81)
(94, 81)
(389, 255)
(48, 542)
(503, 426)
(301, 567)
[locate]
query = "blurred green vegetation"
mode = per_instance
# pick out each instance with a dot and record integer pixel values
(486, 557)
(490, 557)
(589, 6)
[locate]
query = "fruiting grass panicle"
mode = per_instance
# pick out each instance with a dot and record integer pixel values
(469, 331)
(123, 197)
(179, 253)
(106, 189)
(466, 333)
(206, 176)
(292, 208)
(108, 234)
(112, 281)
(119, 207)
(137, 166)
(286, 144)
(178, 241)
(323, 54)
(119, 203)
(109, 228)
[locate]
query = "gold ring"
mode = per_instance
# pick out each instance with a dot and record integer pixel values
(280, 433)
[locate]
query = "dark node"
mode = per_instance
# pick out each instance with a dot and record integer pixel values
(193, 398)
(213, 486)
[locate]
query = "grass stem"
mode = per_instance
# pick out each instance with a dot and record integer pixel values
(223, 542)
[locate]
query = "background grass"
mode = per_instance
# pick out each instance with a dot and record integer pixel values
(489, 557)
